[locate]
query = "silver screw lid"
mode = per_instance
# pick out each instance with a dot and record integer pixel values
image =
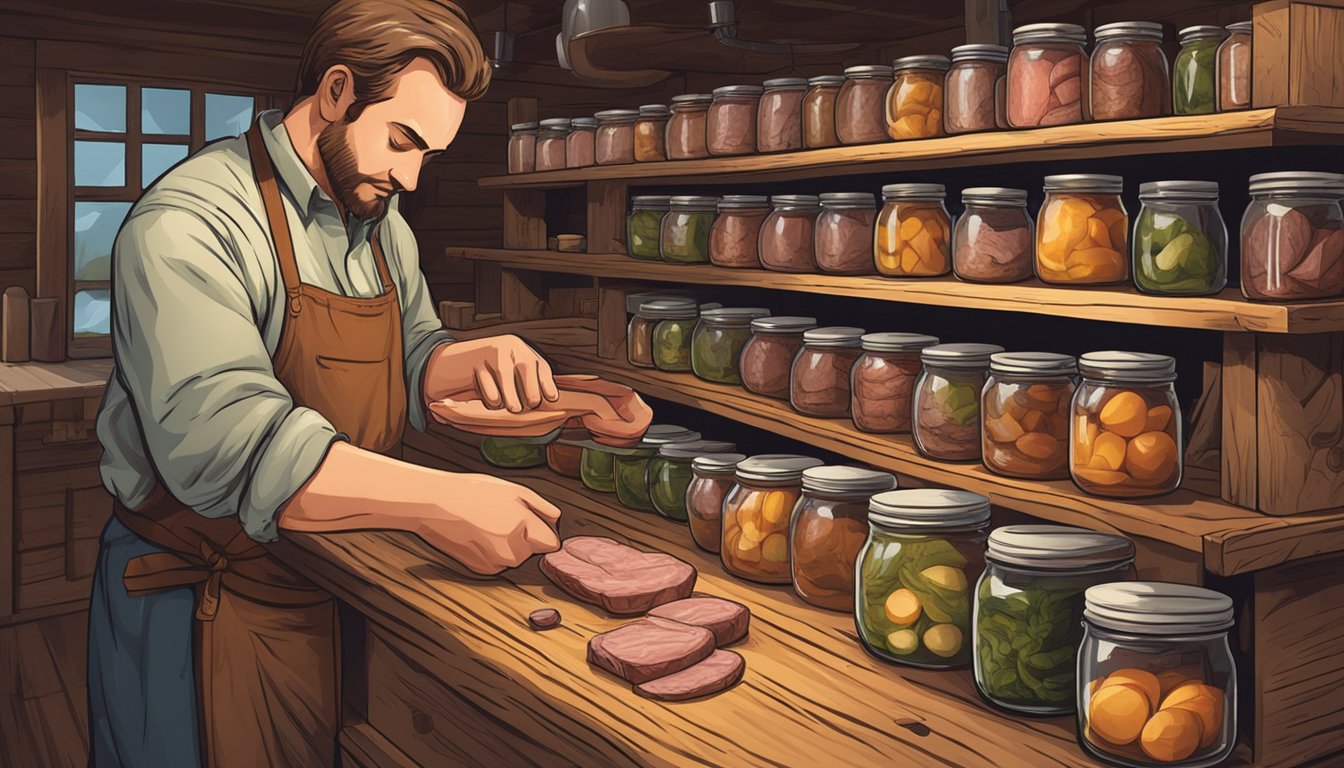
(826, 80)
(1069, 33)
(654, 110)
(869, 71)
(960, 356)
(1241, 28)
(1196, 191)
(529, 126)
(833, 336)
(616, 115)
(775, 467)
(1004, 196)
(1057, 547)
(913, 192)
(847, 200)
(1158, 608)
(980, 52)
(717, 463)
(1134, 367)
(583, 123)
(635, 300)
(694, 201)
(740, 317)
(692, 448)
(846, 480)
(555, 123)
(783, 324)
(743, 201)
(738, 90)
(1027, 363)
(896, 342)
(795, 202)
(785, 83)
(1300, 182)
(692, 98)
(1202, 32)
(651, 201)
(1146, 30)
(1094, 183)
(662, 434)
(928, 508)
(669, 309)
(939, 63)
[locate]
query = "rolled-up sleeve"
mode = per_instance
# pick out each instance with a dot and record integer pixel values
(223, 433)
(422, 329)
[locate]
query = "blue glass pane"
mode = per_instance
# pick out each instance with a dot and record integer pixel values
(157, 158)
(165, 111)
(226, 115)
(93, 312)
(96, 226)
(100, 108)
(100, 164)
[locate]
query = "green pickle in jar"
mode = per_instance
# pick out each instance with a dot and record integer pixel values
(669, 474)
(672, 342)
(1195, 86)
(514, 453)
(684, 236)
(1180, 240)
(643, 226)
(631, 466)
(717, 342)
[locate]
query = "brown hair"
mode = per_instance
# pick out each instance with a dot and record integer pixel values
(376, 39)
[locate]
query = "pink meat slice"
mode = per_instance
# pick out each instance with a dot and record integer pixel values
(721, 671)
(648, 649)
(727, 619)
(621, 579)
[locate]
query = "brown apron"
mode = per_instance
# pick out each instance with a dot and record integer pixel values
(267, 657)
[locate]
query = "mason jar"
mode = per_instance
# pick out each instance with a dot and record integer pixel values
(945, 411)
(1234, 67)
(788, 233)
(516, 452)
(843, 236)
(1130, 78)
(684, 237)
(687, 129)
(1195, 73)
(819, 111)
(551, 144)
(565, 455)
(767, 357)
(644, 226)
(1180, 240)
(523, 147)
(828, 528)
(597, 465)
(1125, 435)
(971, 88)
(1292, 237)
(717, 342)
(631, 467)
(779, 115)
(913, 235)
(992, 241)
(734, 238)
(914, 104)
(651, 133)
(581, 142)
(860, 107)
(731, 125)
(712, 477)
(819, 378)
(669, 474)
(1082, 231)
(882, 382)
(1047, 76)
(1024, 412)
(671, 338)
(639, 333)
(755, 541)
(614, 143)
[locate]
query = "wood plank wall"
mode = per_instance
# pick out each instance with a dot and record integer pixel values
(18, 164)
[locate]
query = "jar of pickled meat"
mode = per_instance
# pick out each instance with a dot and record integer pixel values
(827, 530)
(779, 115)
(644, 225)
(614, 143)
(1129, 72)
(1180, 240)
(992, 241)
(1047, 76)
(516, 452)
(631, 467)
(580, 143)
(756, 512)
(639, 333)
(788, 233)
(946, 408)
(565, 455)
(687, 129)
(523, 147)
(672, 336)
(1125, 436)
(551, 144)
(684, 237)
(819, 111)
(712, 477)
(913, 236)
(734, 238)
(914, 105)
(843, 237)
(1234, 68)
(971, 89)
(767, 357)
(1157, 681)
(1025, 414)
(670, 474)
(860, 107)
(925, 549)
(731, 125)
(1195, 90)
(651, 133)
(1292, 237)
(819, 378)
(882, 383)
(717, 342)
(1082, 231)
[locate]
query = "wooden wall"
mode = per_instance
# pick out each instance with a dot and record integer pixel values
(18, 165)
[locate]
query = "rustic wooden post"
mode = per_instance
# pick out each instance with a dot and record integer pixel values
(1296, 48)
(45, 342)
(986, 22)
(1238, 420)
(8, 544)
(606, 217)
(14, 322)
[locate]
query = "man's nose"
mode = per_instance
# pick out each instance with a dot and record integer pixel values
(405, 178)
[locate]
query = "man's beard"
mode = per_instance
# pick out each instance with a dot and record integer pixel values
(343, 174)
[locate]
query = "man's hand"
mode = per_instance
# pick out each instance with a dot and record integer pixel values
(503, 371)
(489, 524)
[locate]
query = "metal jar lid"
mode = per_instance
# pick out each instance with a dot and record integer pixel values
(1194, 191)
(775, 467)
(980, 52)
(743, 201)
(691, 448)
(1094, 183)
(530, 126)
(783, 324)
(1133, 367)
(583, 123)
(938, 63)
(662, 434)
(928, 508)
(1047, 33)
(829, 81)
(1057, 547)
(692, 98)
(896, 342)
(847, 200)
(669, 309)
(1145, 30)
(651, 201)
(1300, 182)
(847, 480)
(716, 463)
(833, 336)
(961, 356)
(738, 90)
(555, 124)
(1241, 28)
(654, 110)
(616, 115)
(1029, 363)
(869, 71)
(1158, 608)
(1005, 196)
(785, 83)
(732, 317)
(795, 202)
(703, 202)
(1202, 32)
(635, 300)
(914, 192)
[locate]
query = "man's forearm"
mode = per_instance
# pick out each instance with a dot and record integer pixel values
(355, 489)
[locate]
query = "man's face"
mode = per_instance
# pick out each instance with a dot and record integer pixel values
(382, 151)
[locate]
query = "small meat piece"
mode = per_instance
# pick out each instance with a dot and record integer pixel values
(721, 671)
(543, 618)
(728, 620)
(621, 579)
(648, 649)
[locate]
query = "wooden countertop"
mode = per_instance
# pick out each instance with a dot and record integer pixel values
(22, 383)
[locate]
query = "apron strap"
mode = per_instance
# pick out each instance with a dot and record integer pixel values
(380, 259)
(276, 220)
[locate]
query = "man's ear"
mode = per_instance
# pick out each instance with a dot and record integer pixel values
(336, 93)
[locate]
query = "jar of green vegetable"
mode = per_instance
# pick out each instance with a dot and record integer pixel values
(684, 238)
(1195, 86)
(631, 466)
(670, 474)
(597, 465)
(1180, 240)
(516, 452)
(1029, 611)
(925, 548)
(670, 340)
(643, 225)
(717, 342)
(946, 405)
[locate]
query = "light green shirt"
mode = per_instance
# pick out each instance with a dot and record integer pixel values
(197, 309)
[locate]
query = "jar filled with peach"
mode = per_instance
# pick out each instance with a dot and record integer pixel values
(1025, 414)
(1082, 231)
(828, 529)
(1125, 437)
(913, 236)
(915, 101)
(756, 513)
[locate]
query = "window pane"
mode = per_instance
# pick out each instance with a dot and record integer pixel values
(96, 226)
(100, 164)
(226, 115)
(157, 158)
(165, 111)
(100, 108)
(93, 312)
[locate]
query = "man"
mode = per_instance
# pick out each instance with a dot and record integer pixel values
(272, 332)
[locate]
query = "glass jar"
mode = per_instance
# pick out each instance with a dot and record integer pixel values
(971, 88)
(1029, 611)
(1082, 231)
(1125, 436)
(755, 540)
(914, 232)
(516, 452)
(684, 238)
(1195, 90)
(731, 124)
(828, 528)
(788, 233)
(992, 241)
(687, 127)
(1234, 68)
(614, 142)
(945, 413)
(631, 466)
(597, 466)
(1180, 240)
(1047, 76)
(712, 477)
(670, 474)
(716, 344)
(523, 148)
(565, 455)
(819, 111)
(644, 225)
(734, 238)
(1025, 414)
(925, 548)
(1157, 681)
(819, 377)
(639, 333)
(580, 142)
(779, 115)
(860, 106)
(672, 336)
(843, 233)
(651, 133)
(914, 104)
(767, 357)
(1292, 237)
(882, 382)
(551, 144)
(1129, 72)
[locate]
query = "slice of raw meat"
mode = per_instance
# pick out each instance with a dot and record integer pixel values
(728, 620)
(621, 579)
(650, 648)
(719, 672)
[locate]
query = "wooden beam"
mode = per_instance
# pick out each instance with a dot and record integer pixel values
(55, 201)
(606, 217)
(521, 109)
(15, 320)
(1296, 48)
(986, 23)
(522, 296)
(1238, 451)
(8, 536)
(46, 340)
(524, 218)
(1300, 423)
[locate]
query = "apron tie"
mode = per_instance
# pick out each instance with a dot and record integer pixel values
(208, 605)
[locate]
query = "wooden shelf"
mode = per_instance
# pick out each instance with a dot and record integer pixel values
(40, 382)
(1227, 311)
(1272, 127)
